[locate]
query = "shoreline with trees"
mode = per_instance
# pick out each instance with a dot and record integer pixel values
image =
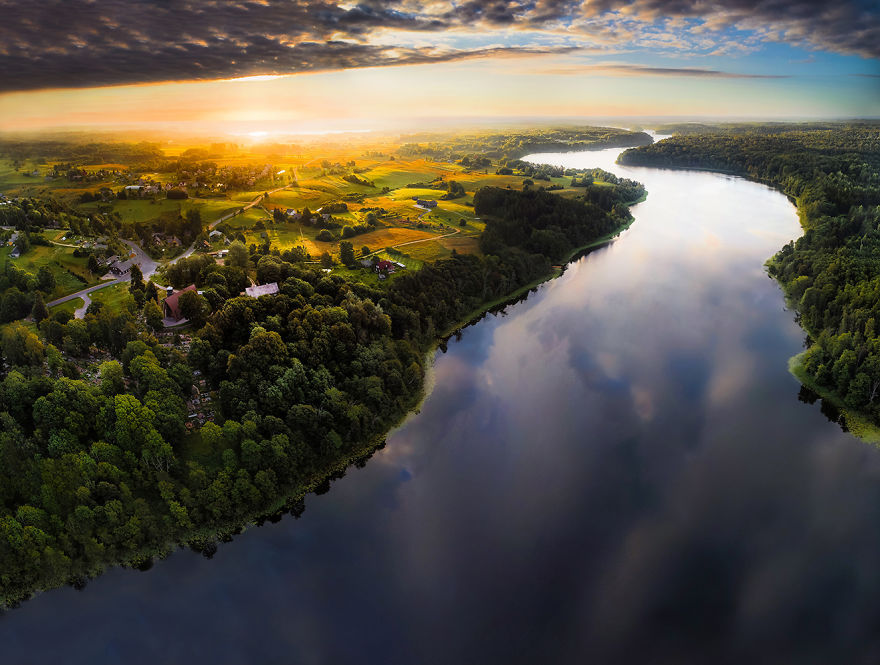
(830, 275)
(101, 471)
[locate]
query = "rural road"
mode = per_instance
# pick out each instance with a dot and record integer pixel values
(192, 248)
(148, 268)
(84, 294)
(147, 264)
(413, 242)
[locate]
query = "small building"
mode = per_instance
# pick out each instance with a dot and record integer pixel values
(262, 290)
(171, 306)
(385, 266)
(121, 267)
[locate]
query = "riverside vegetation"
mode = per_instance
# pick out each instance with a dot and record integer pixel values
(831, 274)
(96, 465)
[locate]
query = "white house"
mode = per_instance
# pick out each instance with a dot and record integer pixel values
(262, 290)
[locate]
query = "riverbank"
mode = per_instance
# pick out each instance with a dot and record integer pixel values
(858, 424)
(484, 309)
(221, 524)
(784, 268)
(205, 537)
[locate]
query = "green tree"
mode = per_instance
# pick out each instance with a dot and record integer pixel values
(136, 283)
(45, 279)
(66, 415)
(346, 253)
(194, 221)
(152, 291)
(238, 256)
(22, 242)
(153, 315)
(194, 307)
(54, 359)
(269, 269)
(326, 260)
(39, 310)
(112, 378)
(21, 346)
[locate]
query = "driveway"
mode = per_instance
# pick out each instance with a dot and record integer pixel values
(84, 294)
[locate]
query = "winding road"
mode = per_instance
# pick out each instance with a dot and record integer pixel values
(147, 264)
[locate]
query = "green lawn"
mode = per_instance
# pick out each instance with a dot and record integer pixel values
(401, 173)
(248, 218)
(113, 297)
(70, 306)
(405, 256)
(213, 209)
(283, 236)
(9, 179)
(60, 260)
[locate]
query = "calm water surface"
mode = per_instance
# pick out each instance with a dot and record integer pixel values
(616, 470)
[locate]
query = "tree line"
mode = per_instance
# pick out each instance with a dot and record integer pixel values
(831, 274)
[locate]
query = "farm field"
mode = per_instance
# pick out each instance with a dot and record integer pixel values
(414, 231)
(142, 210)
(285, 236)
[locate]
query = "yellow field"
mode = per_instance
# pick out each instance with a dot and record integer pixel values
(461, 244)
(400, 223)
(389, 237)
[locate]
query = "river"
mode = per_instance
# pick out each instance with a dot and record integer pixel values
(617, 469)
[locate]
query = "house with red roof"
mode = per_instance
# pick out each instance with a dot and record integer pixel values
(171, 306)
(385, 266)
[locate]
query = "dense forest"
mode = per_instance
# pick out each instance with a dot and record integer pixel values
(144, 154)
(97, 464)
(514, 144)
(832, 273)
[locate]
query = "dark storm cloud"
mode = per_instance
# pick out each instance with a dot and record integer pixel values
(77, 43)
(850, 27)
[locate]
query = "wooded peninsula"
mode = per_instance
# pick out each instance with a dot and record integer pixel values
(221, 369)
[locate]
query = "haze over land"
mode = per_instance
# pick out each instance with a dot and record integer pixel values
(316, 66)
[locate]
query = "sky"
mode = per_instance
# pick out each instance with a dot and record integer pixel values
(245, 66)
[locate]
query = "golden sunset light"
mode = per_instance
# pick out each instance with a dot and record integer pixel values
(504, 332)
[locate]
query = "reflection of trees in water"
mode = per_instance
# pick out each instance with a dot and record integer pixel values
(499, 309)
(808, 396)
(207, 545)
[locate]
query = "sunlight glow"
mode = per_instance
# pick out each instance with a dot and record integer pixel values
(249, 79)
